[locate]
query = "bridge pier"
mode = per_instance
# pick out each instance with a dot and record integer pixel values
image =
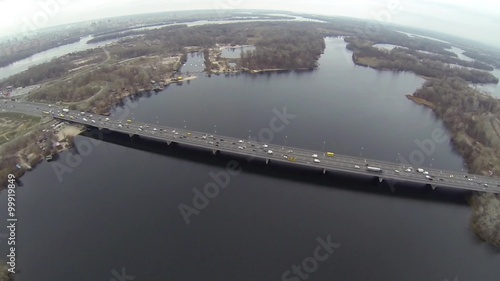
(380, 179)
(214, 151)
(130, 135)
(324, 171)
(433, 186)
(169, 142)
(267, 161)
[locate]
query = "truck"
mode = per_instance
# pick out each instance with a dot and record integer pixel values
(420, 170)
(66, 110)
(330, 154)
(374, 169)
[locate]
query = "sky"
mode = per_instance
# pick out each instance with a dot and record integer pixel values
(478, 20)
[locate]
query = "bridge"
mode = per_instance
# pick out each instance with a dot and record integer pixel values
(270, 152)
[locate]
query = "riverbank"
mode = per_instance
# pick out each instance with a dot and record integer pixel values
(25, 152)
(486, 217)
(470, 116)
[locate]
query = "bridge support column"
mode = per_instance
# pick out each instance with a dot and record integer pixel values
(324, 171)
(130, 135)
(433, 186)
(380, 179)
(169, 142)
(214, 151)
(267, 161)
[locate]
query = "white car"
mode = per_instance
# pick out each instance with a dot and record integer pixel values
(269, 152)
(84, 119)
(426, 173)
(93, 121)
(356, 166)
(154, 129)
(397, 171)
(451, 176)
(315, 155)
(265, 146)
(240, 147)
(120, 125)
(240, 141)
(316, 160)
(408, 170)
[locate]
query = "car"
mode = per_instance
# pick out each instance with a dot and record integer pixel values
(485, 185)
(84, 119)
(211, 142)
(469, 179)
(408, 170)
(269, 152)
(316, 161)
(140, 129)
(240, 141)
(356, 166)
(93, 121)
(107, 119)
(441, 179)
(397, 171)
(154, 129)
(426, 173)
(204, 137)
(285, 156)
(429, 177)
(451, 176)
(173, 131)
(314, 155)
(290, 151)
(265, 146)
(176, 133)
(120, 125)
(240, 147)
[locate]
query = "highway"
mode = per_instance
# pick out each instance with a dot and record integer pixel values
(286, 154)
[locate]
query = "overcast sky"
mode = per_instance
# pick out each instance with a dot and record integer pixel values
(474, 19)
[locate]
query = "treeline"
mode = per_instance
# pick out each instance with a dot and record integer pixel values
(114, 36)
(446, 59)
(486, 58)
(56, 68)
(399, 59)
(414, 43)
(8, 59)
(285, 48)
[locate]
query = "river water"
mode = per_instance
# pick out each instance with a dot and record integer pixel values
(46, 56)
(119, 208)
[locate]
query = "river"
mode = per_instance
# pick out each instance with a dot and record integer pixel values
(118, 209)
(46, 56)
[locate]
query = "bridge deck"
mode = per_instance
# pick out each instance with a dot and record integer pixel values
(296, 156)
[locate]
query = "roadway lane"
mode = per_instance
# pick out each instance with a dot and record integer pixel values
(301, 157)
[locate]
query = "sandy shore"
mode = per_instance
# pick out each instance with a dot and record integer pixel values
(69, 131)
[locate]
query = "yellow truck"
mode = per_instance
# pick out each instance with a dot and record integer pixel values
(129, 121)
(330, 154)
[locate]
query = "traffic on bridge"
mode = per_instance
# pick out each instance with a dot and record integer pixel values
(326, 161)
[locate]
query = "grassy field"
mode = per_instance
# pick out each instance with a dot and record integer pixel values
(15, 124)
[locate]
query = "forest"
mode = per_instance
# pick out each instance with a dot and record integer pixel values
(404, 60)
(471, 117)
(285, 49)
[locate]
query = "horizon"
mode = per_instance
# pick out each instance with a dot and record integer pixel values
(475, 22)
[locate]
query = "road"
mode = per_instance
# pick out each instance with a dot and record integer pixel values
(286, 154)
